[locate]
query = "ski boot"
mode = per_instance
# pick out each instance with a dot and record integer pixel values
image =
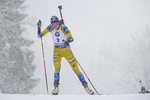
(56, 89)
(89, 91)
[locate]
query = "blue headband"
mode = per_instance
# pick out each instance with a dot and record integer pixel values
(54, 20)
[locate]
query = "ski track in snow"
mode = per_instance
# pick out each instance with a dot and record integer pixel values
(75, 97)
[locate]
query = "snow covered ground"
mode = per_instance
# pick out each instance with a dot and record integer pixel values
(102, 30)
(75, 97)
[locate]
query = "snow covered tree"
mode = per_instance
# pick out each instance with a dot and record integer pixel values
(16, 68)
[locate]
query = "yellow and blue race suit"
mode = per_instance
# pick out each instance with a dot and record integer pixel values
(60, 50)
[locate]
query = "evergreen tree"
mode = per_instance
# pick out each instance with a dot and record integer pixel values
(16, 68)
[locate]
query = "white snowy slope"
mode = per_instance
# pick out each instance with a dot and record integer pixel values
(75, 97)
(104, 32)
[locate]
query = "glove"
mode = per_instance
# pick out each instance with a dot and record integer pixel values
(38, 33)
(66, 43)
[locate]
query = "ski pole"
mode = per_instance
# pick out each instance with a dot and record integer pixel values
(82, 69)
(43, 58)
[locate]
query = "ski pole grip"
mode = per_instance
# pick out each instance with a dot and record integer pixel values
(39, 26)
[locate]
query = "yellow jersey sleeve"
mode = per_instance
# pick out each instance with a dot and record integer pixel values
(67, 32)
(47, 29)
